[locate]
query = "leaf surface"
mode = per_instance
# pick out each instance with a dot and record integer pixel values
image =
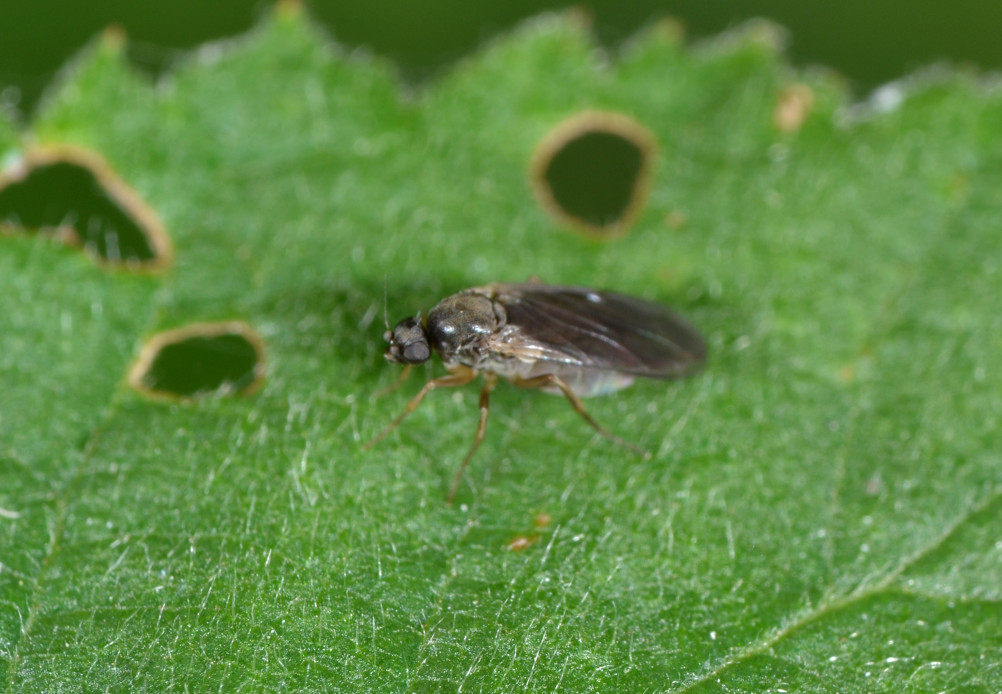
(821, 512)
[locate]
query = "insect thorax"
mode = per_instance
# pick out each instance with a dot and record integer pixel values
(459, 326)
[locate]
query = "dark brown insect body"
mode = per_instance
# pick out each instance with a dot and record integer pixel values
(570, 340)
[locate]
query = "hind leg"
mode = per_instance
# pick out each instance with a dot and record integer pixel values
(553, 380)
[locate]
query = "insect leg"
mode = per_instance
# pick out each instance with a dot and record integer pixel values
(575, 401)
(485, 397)
(404, 373)
(458, 378)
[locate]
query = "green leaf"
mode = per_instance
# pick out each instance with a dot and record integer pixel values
(821, 512)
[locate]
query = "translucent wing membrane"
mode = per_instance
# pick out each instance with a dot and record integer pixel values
(597, 330)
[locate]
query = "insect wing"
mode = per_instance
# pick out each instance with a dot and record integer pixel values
(598, 330)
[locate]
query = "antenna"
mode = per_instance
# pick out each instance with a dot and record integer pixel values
(386, 317)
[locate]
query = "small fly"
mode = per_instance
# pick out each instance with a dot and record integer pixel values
(573, 341)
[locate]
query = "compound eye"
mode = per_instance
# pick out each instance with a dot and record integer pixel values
(416, 352)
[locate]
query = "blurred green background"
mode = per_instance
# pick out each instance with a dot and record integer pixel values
(868, 42)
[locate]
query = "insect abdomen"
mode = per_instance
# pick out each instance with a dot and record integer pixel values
(583, 381)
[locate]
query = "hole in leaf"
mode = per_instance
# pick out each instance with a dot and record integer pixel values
(592, 172)
(201, 359)
(74, 196)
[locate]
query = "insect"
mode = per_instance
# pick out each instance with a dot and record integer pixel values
(573, 341)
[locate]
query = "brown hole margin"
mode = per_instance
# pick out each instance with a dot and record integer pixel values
(212, 337)
(793, 106)
(569, 132)
(117, 191)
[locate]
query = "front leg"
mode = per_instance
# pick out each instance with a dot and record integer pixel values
(459, 377)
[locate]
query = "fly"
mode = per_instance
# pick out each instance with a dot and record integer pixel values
(573, 341)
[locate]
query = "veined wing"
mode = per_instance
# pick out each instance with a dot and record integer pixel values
(596, 330)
